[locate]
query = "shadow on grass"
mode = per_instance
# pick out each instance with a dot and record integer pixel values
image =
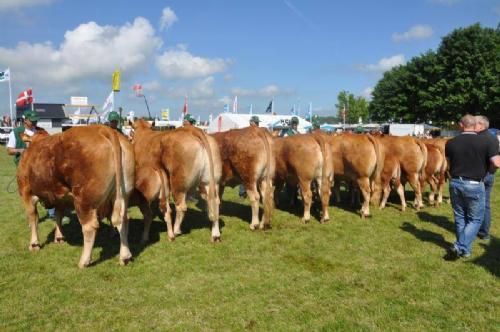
(441, 221)
(490, 260)
(108, 239)
(425, 235)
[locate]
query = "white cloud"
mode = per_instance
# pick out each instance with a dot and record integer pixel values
(385, 63)
(152, 86)
(16, 4)
(367, 93)
(202, 88)
(168, 18)
(415, 32)
(267, 91)
(179, 63)
(89, 51)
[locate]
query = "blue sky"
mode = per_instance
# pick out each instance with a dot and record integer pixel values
(295, 51)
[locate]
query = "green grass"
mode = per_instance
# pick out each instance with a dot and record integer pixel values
(381, 273)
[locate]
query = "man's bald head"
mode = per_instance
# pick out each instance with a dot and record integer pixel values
(482, 123)
(468, 122)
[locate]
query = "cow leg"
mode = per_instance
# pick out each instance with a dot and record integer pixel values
(324, 192)
(125, 254)
(58, 236)
(254, 197)
(305, 188)
(385, 196)
(147, 214)
(88, 220)
(336, 192)
(32, 214)
(401, 192)
(433, 184)
(415, 184)
(364, 187)
(180, 211)
(267, 200)
(167, 215)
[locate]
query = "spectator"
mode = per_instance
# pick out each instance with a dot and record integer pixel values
(469, 155)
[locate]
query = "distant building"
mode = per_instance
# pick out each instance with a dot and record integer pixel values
(51, 116)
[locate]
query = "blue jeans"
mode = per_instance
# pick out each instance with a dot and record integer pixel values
(467, 201)
(484, 231)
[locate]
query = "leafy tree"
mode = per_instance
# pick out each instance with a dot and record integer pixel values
(463, 76)
(355, 107)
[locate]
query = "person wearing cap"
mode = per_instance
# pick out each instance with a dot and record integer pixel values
(254, 121)
(15, 145)
(315, 125)
(292, 130)
(114, 120)
(188, 120)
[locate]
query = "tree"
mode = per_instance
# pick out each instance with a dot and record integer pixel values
(463, 76)
(355, 107)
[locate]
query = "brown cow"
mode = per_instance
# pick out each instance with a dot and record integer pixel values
(440, 178)
(404, 160)
(247, 157)
(176, 162)
(301, 159)
(434, 170)
(357, 159)
(88, 168)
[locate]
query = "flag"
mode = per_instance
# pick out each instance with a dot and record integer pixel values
(269, 108)
(251, 109)
(235, 104)
(138, 90)
(24, 99)
(165, 114)
(292, 111)
(108, 106)
(5, 75)
(115, 85)
(310, 112)
(185, 108)
(226, 108)
(210, 118)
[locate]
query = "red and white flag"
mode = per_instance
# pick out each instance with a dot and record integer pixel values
(25, 98)
(185, 109)
(138, 90)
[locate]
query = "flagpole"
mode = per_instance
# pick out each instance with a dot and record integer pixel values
(147, 106)
(12, 122)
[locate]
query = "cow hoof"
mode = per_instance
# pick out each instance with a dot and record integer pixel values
(34, 247)
(171, 238)
(125, 261)
(59, 240)
(305, 221)
(83, 265)
(216, 239)
(253, 227)
(177, 233)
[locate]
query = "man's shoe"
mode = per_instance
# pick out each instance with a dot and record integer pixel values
(452, 254)
(485, 237)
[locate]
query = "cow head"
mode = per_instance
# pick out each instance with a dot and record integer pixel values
(141, 124)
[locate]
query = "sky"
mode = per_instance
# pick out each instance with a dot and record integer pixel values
(294, 52)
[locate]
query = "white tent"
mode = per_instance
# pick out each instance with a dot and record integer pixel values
(227, 121)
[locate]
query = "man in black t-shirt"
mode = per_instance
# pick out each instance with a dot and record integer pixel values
(482, 125)
(469, 156)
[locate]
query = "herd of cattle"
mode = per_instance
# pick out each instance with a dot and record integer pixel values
(100, 173)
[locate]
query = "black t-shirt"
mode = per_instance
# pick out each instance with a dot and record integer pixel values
(469, 155)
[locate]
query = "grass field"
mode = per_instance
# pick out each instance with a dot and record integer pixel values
(382, 273)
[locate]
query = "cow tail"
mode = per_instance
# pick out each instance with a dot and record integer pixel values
(423, 148)
(270, 169)
(118, 213)
(375, 177)
(212, 197)
(326, 178)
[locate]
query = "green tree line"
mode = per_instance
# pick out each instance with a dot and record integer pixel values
(462, 76)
